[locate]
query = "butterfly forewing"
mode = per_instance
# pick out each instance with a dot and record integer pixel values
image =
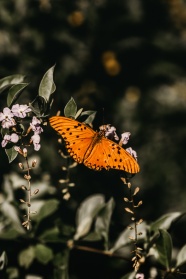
(92, 148)
(78, 137)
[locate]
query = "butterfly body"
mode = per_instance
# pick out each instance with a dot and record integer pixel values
(92, 148)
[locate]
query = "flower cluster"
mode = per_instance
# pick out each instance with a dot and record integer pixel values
(37, 129)
(10, 118)
(110, 133)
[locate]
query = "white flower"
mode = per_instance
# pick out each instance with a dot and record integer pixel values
(36, 142)
(20, 110)
(132, 152)
(7, 118)
(9, 138)
(124, 138)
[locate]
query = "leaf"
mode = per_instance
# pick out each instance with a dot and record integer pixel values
(51, 235)
(78, 113)
(14, 93)
(181, 257)
(86, 213)
(49, 207)
(10, 212)
(90, 118)
(61, 262)
(10, 80)
(70, 109)
(163, 249)
(43, 253)
(165, 221)
(102, 223)
(39, 106)
(47, 86)
(3, 260)
(124, 237)
(12, 272)
(26, 257)
(11, 153)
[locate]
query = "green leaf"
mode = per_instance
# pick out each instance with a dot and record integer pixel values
(39, 106)
(102, 223)
(51, 235)
(14, 93)
(165, 221)
(10, 212)
(78, 113)
(11, 153)
(90, 118)
(26, 257)
(12, 272)
(70, 109)
(163, 249)
(3, 260)
(10, 80)
(124, 240)
(49, 207)
(60, 262)
(86, 213)
(43, 253)
(47, 86)
(181, 257)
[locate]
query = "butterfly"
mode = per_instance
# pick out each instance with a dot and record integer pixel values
(92, 148)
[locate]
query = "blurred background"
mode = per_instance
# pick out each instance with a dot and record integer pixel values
(126, 57)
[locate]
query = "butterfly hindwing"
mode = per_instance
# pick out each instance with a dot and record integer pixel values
(107, 154)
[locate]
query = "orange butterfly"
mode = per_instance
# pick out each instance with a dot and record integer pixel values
(92, 148)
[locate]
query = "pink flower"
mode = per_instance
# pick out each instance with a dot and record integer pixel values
(20, 110)
(35, 125)
(36, 142)
(7, 118)
(9, 138)
(110, 131)
(132, 152)
(124, 138)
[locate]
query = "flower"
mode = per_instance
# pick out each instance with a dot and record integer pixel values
(20, 110)
(9, 138)
(110, 131)
(132, 152)
(7, 118)
(124, 138)
(35, 125)
(36, 141)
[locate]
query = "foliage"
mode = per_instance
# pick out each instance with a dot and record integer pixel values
(49, 242)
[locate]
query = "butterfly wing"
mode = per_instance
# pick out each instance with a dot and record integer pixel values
(89, 147)
(107, 154)
(78, 136)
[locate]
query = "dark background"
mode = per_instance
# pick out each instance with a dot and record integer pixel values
(128, 57)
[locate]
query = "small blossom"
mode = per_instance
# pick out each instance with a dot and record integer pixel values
(14, 137)
(35, 125)
(9, 138)
(25, 152)
(110, 131)
(36, 141)
(20, 110)
(132, 152)
(7, 118)
(124, 138)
